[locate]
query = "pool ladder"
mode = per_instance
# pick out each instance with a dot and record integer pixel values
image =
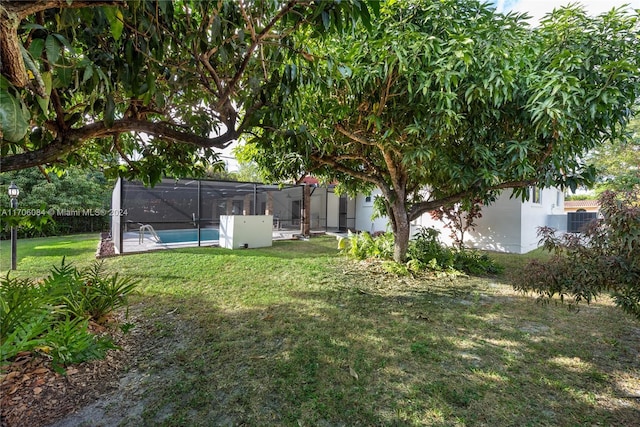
(144, 228)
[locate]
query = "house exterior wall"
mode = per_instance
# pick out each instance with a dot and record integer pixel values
(500, 227)
(333, 209)
(536, 215)
(507, 225)
(511, 225)
(363, 212)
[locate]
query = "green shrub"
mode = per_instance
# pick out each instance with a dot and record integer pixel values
(395, 268)
(25, 336)
(20, 301)
(69, 342)
(363, 246)
(52, 316)
(474, 262)
(427, 248)
(425, 252)
(89, 293)
(605, 258)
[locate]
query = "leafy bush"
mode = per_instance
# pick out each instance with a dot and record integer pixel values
(69, 342)
(426, 252)
(474, 262)
(363, 246)
(87, 293)
(52, 316)
(395, 268)
(604, 259)
(427, 248)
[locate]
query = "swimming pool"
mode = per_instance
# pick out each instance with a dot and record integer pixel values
(187, 235)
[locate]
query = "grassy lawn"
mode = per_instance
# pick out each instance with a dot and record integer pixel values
(36, 256)
(298, 335)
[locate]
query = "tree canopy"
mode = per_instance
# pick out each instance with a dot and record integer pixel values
(455, 99)
(618, 162)
(157, 83)
(75, 189)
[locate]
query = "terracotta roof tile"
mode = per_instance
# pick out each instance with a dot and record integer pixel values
(581, 204)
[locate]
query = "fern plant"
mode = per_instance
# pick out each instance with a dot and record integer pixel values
(52, 316)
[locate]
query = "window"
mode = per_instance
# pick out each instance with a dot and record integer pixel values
(368, 200)
(536, 194)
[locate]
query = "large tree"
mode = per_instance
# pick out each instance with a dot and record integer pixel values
(156, 83)
(452, 98)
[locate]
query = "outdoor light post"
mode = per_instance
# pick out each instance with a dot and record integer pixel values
(14, 191)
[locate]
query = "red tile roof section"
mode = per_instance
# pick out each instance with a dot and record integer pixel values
(581, 204)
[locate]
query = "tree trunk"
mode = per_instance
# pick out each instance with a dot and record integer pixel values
(11, 62)
(401, 231)
(401, 242)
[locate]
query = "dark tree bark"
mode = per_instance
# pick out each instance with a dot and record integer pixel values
(11, 13)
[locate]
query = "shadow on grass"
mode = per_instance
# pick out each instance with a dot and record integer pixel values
(342, 357)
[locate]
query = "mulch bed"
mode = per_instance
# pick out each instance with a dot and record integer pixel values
(33, 394)
(105, 247)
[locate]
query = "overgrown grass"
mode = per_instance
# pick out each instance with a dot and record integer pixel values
(298, 335)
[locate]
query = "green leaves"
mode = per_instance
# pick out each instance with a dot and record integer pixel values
(52, 47)
(451, 97)
(116, 20)
(52, 315)
(604, 258)
(13, 117)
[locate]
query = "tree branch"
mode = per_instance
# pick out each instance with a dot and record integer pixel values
(254, 44)
(344, 169)
(75, 138)
(352, 136)
(24, 8)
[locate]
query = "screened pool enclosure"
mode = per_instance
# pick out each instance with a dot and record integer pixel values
(187, 212)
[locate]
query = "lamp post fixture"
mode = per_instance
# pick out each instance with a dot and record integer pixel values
(14, 191)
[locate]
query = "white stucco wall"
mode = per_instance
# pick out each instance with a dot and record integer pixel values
(363, 212)
(510, 225)
(536, 215)
(499, 228)
(333, 209)
(507, 225)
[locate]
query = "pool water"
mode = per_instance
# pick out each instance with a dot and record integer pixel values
(188, 235)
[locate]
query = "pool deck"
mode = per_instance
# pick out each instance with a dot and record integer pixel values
(131, 242)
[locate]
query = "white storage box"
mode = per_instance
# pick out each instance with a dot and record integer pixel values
(246, 231)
